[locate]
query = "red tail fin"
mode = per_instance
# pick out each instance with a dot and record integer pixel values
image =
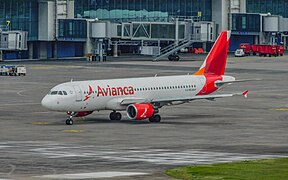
(215, 62)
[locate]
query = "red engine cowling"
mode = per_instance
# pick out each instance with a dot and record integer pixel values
(79, 114)
(140, 111)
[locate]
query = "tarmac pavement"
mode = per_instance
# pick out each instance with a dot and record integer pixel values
(35, 143)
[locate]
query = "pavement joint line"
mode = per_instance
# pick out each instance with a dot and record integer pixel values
(19, 104)
(96, 175)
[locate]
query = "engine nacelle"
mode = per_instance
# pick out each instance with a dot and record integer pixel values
(140, 111)
(79, 114)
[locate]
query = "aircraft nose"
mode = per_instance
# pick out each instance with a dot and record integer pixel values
(46, 102)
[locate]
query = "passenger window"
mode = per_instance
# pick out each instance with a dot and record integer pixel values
(60, 93)
(65, 93)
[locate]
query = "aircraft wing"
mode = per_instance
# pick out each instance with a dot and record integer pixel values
(127, 101)
(207, 97)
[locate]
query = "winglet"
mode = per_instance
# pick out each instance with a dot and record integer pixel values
(245, 94)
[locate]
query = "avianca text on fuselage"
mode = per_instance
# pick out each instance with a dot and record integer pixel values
(114, 91)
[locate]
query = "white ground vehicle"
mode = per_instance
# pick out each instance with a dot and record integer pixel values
(3, 70)
(239, 53)
(21, 70)
(12, 70)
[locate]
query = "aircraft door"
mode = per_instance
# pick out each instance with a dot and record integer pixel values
(78, 93)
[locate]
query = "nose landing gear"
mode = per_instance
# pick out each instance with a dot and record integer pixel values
(69, 121)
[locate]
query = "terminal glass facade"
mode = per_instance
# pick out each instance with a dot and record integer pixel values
(142, 10)
(246, 22)
(275, 7)
(72, 28)
(20, 15)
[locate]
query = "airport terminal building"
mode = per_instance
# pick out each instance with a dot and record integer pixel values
(41, 29)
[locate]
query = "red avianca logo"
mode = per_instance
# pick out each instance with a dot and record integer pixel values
(110, 91)
(89, 93)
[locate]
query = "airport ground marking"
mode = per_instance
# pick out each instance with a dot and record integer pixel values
(73, 131)
(280, 109)
(39, 123)
(54, 66)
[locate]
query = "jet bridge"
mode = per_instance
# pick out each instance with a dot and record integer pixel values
(149, 37)
(12, 41)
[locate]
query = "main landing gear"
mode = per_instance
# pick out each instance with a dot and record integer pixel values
(115, 116)
(156, 118)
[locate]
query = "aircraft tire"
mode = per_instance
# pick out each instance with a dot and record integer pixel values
(112, 116)
(118, 116)
(69, 122)
(156, 118)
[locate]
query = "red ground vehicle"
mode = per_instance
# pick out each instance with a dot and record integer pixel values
(264, 50)
(246, 47)
(280, 50)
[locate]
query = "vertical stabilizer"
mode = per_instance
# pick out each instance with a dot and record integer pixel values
(215, 62)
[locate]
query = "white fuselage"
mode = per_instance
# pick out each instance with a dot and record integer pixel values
(108, 94)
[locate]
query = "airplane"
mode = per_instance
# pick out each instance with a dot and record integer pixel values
(142, 98)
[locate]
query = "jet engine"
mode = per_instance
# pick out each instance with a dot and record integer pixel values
(79, 114)
(140, 111)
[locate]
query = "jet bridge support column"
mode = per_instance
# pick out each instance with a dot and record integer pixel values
(115, 50)
(54, 49)
(176, 31)
(99, 50)
(1, 52)
(42, 50)
(30, 44)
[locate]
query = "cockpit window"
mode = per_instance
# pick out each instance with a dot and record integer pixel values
(58, 92)
(53, 92)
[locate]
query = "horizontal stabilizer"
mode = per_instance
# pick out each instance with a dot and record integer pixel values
(221, 83)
